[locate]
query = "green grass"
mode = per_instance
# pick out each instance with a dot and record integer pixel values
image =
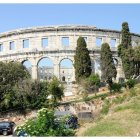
(133, 105)
(123, 121)
(106, 128)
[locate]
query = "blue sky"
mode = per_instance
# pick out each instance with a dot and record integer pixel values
(13, 16)
(108, 16)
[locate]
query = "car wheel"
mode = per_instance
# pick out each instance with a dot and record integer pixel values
(5, 133)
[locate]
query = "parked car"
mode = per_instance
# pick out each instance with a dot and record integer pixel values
(71, 121)
(21, 133)
(7, 128)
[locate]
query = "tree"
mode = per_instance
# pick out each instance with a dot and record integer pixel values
(128, 62)
(125, 51)
(82, 62)
(55, 90)
(107, 65)
(126, 36)
(137, 60)
(10, 74)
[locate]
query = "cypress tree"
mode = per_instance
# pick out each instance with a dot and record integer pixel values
(125, 51)
(126, 36)
(107, 65)
(82, 62)
(137, 60)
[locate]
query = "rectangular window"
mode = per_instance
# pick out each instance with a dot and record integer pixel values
(44, 42)
(26, 43)
(1, 47)
(113, 43)
(12, 45)
(65, 41)
(98, 42)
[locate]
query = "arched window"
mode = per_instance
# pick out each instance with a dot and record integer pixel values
(66, 70)
(45, 69)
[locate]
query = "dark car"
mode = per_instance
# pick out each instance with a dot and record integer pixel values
(6, 128)
(71, 121)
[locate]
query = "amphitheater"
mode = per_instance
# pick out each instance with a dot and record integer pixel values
(58, 43)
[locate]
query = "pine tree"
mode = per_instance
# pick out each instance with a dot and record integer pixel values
(82, 62)
(107, 65)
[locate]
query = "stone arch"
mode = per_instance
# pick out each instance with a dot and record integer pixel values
(97, 66)
(27, 63)
(116, 61)
(45, 68)
(66, 70)
(134, 43)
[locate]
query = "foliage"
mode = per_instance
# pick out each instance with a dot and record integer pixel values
(19, 92)
(120, 50)
(128, 62)
(126, 52)
(130, 83)
(44, 125)
(137, 60)
(126, 36)
(39, 94)
(55, 90)
(82, 62)
(10, 74)
(107, 64)
(94, 79)
(116, 87)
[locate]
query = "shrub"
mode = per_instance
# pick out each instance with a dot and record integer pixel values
(94, 79)
(44, 125)
(130, 83)
(91, 83)
(116, 87)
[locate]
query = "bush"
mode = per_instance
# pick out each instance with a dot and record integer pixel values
(116, 87)
(130, 83)
(94, 79)
(44, 125)
(91, 83)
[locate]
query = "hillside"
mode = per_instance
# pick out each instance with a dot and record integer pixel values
(123, 119)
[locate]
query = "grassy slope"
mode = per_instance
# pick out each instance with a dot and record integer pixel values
(124, 120)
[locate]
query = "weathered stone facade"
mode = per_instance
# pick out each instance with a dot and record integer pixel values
(55, 50)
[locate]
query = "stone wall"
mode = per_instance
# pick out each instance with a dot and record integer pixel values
(55, 50)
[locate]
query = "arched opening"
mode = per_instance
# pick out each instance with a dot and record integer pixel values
(66, 70)
(98, 67)
(45, 69)
(115, 61)
(28, 65)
